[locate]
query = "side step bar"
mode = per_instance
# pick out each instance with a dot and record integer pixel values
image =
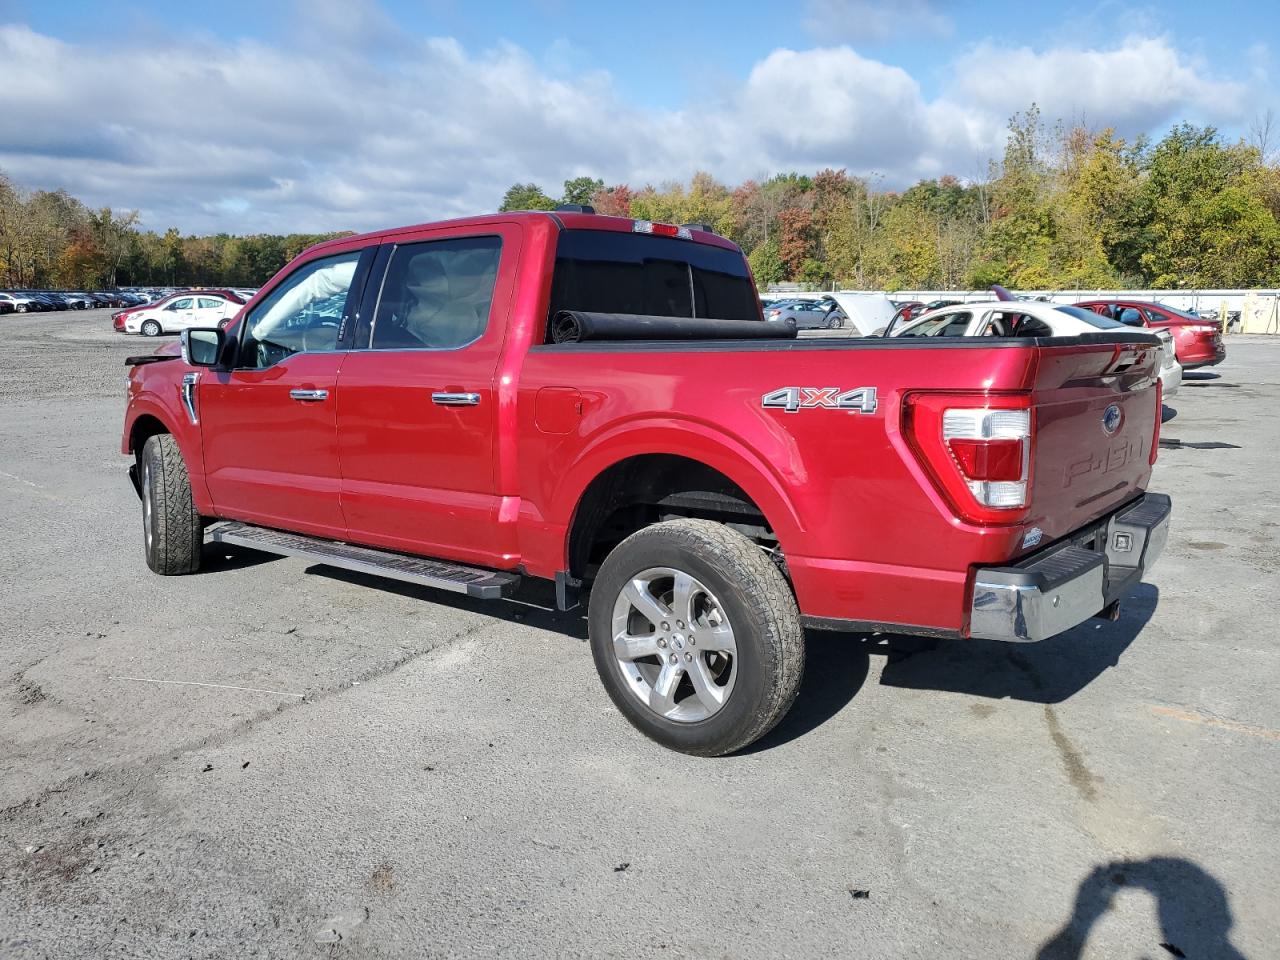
(483, 584)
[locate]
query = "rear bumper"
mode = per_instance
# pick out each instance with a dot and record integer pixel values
(1204, 356)
(1054, 589)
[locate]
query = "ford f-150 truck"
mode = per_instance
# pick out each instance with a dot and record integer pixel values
(598, 402)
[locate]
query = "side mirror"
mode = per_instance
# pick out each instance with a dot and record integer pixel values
(202, 347)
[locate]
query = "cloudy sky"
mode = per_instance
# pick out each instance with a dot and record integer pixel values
(273, 115)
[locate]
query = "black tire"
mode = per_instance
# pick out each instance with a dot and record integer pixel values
(835, 323)
(151, 328)
(761, 611)
(173, 531)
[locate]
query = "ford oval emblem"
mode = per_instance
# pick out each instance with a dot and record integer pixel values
(1111, 418)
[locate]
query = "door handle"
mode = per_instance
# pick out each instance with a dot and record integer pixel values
(309, 396)
(455, 399)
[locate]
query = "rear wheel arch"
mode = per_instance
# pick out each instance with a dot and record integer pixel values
(641, 490)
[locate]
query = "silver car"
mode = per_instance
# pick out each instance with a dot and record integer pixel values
(821, 314)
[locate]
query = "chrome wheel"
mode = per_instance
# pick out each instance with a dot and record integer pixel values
(151, 329)
(674, 645)
(146, 505)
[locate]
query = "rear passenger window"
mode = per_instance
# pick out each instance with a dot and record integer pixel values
(436, 295)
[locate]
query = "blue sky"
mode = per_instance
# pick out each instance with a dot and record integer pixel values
(326, 114)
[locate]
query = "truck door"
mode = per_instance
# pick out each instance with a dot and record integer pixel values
(419, 405)
(269, 426)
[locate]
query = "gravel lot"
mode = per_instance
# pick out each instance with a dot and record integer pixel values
(375, 770)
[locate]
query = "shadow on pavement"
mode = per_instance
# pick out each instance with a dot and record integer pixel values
(1195, 918)
(533, 605)
(223, 557)
(1047, 672)
(1200, 375)
(836, 666)
(1167, 413)
(1173, 443)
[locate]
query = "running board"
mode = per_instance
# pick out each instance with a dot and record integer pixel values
(483, 584)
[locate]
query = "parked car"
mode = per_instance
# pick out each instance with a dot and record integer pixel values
(204, 309)
(7, 306)
(821, 314)
(76, 300)
(529, 395)
(1034, 318)
(127, 320)
(23, 302)
(1197, 341)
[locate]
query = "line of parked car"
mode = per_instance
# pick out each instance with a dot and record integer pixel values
(1190, 339)
(33, 301)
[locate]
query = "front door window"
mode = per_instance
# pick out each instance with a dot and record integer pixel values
(302, 315)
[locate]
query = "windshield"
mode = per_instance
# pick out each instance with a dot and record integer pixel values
(1091, 318)
(602, 271)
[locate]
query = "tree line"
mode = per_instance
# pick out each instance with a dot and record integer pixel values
(51, 240)
(1064, 208)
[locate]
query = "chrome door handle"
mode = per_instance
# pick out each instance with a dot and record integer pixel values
(309, 395)
(455, 399)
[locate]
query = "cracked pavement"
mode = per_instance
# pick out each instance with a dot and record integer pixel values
(338, 766)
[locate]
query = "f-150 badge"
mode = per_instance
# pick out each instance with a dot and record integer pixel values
(795, 399)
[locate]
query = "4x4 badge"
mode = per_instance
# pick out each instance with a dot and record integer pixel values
(795, 399)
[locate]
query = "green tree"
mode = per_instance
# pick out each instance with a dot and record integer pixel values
(526, 196)
(578, 190)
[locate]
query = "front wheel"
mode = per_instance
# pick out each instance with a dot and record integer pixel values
(696, 636)
(172, 530)
(151, 329)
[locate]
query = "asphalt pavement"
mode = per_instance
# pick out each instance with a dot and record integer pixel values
(275, 759)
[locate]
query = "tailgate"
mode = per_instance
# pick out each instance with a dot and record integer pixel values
(1096, 413)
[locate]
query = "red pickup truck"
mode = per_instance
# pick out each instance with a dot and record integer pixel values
(598, 402)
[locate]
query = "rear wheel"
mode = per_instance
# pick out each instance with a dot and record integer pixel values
(696, 636)
(150, 328)
(172, 530)
(835, 322)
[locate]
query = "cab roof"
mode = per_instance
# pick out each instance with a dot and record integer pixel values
(562, 219)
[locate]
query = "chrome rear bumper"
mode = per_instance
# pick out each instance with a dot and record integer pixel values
(1065, 584)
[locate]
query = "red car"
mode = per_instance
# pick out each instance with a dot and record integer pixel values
(1196, 342)
(598, 403)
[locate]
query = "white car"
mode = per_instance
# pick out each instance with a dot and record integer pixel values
(196, 310)
(1024, 318)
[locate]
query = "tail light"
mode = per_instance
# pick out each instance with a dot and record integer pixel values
(977, 451)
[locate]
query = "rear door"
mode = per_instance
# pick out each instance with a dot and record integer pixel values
(418, 410)
(209, 310)
(269, 427)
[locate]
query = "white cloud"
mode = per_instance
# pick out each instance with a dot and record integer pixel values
(383, 128)
(1142, 83)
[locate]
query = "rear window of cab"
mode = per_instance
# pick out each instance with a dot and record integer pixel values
(600, 271)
